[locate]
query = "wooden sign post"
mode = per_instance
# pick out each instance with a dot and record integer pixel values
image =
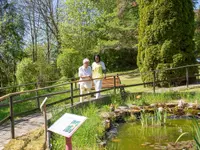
(44, 111)
(66, 126)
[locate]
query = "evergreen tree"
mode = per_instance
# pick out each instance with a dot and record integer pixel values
(166, 31)
(11, 41)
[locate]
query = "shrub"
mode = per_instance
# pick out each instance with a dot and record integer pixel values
(166, 31)
(68, 62)
(26, 71)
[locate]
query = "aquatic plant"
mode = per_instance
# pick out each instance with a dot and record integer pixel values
(196, 127)
(181, 136)
(156, 119)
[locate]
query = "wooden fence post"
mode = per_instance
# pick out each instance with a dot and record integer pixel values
(71, 94)
(37, 98)
(187, 78)
(154, 81)
(114, 78)
(43, 109)
(12, 122)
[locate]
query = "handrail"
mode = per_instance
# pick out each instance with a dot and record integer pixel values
(157, 70)
(78, 81)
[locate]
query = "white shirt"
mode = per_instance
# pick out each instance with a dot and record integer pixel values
(85, 72)
(101, 63)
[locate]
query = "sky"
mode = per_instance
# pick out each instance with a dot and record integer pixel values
(198, 3)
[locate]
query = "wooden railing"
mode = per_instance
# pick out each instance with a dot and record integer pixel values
(10, 102)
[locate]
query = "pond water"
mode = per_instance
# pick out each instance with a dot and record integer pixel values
(132, 136)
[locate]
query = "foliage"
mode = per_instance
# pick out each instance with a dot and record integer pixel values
(88, 134)
(39, 71)
(166, 32)
(114, 59)
(156, 119)
(197, 32)
(26, 71)
(11, 41)
(68, 62)
(92, 27)
(196, 127)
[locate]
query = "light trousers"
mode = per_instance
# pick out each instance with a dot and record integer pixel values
(84, 90)
(98, 86)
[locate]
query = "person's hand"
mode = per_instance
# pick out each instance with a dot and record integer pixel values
(90, 77)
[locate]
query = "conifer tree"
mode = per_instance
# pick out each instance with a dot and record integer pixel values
(166, 31)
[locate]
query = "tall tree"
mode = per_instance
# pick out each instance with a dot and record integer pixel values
(166, 33)
(11, 40)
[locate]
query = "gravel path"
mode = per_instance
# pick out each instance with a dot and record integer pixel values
(22, 126)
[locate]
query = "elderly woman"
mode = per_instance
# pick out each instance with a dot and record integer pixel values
(98, 73)
(85, 73)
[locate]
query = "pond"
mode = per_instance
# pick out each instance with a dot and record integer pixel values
(132, 136)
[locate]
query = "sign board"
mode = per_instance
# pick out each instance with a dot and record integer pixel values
(67, 124)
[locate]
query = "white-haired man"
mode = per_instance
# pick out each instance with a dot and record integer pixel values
(85, 73)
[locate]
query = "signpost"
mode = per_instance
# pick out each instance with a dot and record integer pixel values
(44, 111)
(67, 126)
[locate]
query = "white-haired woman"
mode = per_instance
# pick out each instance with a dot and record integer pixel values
(85, 73)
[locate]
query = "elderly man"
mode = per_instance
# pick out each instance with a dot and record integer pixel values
(85, 73)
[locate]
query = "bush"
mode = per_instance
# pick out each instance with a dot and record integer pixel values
(40, 71)
(26, 71)
(68, 62)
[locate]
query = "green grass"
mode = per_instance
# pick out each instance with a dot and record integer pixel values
(149, 98)
(87, 135)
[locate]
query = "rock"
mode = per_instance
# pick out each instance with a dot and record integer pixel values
(146, 144)
(103, 143)
(181, 103)
(198, 107)
(135, 107)
(151, 145)
(123, 107)
(107, 124)
(171, 105)
(133, 111)
(107, 115)
(189, 115)
(161, 105)
(112, 133)
(191, 106)
(160, 109)
(153, 105)
(117, 110)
